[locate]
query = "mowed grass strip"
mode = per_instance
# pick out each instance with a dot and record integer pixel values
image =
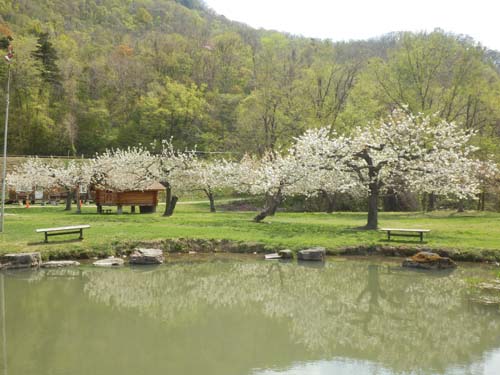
(465, 231)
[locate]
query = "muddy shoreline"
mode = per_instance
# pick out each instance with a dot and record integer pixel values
(200, 246)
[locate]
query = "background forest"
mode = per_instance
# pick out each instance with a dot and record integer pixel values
(94, 74)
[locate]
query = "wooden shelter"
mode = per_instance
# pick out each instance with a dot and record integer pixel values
(146, 199)
(44, 196)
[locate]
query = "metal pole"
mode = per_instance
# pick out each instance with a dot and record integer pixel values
(4, 171)
(4, 329)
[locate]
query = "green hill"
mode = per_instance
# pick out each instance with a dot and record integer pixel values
(93, 74)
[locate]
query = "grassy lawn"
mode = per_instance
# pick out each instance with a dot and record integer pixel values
(466, 231)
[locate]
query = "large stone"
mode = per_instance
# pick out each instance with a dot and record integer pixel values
(109, 262)
(314, 253)
(428, 261)
(272, 256)
(20, 260)
(285, 254)
(147, 256)
(60, 263)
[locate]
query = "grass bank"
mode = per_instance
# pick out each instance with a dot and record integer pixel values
(471, 232)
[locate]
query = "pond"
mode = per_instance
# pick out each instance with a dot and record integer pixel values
(233, 316)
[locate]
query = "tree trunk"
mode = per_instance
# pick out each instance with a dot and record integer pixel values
(273, 208)
(78, 201)
(272, 205)
(480, 203)
(460, 207)
(171, 206)
(69, 197)
(168, 197)
(431, 203)
(372, 208)
(331, 202)
(211, 199)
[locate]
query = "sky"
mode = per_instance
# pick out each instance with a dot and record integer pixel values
(363, 19)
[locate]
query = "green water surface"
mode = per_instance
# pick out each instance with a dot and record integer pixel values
(247, 317)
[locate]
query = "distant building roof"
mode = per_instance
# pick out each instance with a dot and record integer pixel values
(155, 186)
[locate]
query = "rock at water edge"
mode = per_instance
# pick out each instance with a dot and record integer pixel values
(21, 260)
(60, 263)
(286, 254)
(147, 256)
(429, 261)
(315, 253)
(272, 256)
(109, 262)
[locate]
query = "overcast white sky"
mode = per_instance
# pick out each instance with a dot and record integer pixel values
(362, 19)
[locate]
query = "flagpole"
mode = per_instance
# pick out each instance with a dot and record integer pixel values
(4, 171)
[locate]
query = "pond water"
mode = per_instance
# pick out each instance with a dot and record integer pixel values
(247, 317)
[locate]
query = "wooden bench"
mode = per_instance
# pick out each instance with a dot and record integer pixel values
(58, 231)
(405, 232)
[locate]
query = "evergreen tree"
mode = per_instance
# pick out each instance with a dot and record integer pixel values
(47, 55)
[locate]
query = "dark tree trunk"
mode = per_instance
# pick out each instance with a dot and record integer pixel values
(269, 204)
(211, 199)
(168, 197)
(460, 207)
(374, 186)
(373, 207)
(431, 204)
(212, 203)
(69, 198)
(171, 206)
(480, 203)
(331, 202)
(78, 201)
(272, 205)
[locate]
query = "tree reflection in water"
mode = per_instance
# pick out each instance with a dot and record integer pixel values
(402, 320)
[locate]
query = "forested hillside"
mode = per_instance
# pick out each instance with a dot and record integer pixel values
(93, 74)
